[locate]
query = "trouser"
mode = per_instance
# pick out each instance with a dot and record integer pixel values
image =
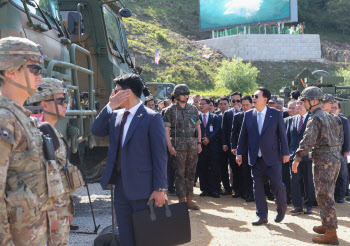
(123, 210)
(184, 164)
(274, 173)
(343, 179)
(325, 176)
(170, 174)
(61, 236)
(223, 165)
(208, 170)
(304, 173)
(236, 174)
(247, 181)
(286, 178)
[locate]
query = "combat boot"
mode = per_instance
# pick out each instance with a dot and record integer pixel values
(319, 229)
(330, 237)
(182, 199)
(191, 204)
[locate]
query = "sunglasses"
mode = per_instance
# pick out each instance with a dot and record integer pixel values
(256, 96)
(60, 101)
(35, 69)
(233, 101)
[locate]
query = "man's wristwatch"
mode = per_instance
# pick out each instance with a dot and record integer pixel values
(160, 189)
(199, 142)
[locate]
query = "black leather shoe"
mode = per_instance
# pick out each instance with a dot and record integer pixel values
(214, 194)
(236, 195)
(340, 200)
(308, 210)
(279, 217)
(260, 222)
(204, 193)
(249, 199)
(296, 210)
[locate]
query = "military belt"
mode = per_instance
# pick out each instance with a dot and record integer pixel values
(184, 135)
(319, 151)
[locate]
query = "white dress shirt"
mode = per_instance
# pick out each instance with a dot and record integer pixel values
(304, 118)
(263, 114)
(128, 119)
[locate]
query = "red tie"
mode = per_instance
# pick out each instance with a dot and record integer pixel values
(120, 142)
(205, 123)
(300, 125)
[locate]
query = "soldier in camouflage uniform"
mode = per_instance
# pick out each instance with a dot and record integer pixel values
(51, 95)
(323, 136)
(24, 190)
(181, 121)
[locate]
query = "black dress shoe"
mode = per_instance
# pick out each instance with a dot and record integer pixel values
(341, 200)
(260, 221)
(204, 193)
(236, 195)
(296, 210)
(249, 199)
(214, 194)
(279, 217)
(307, 210)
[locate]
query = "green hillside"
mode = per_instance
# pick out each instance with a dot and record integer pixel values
(172, 27)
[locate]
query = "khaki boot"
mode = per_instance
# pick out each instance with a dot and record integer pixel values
(330, 237)
(191, 204)
(319, 229)
(182, 199)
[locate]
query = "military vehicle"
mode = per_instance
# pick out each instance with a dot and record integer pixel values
(322, 79)
(160, 91)
(86, 46)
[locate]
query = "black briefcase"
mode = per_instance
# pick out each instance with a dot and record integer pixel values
(162, 226)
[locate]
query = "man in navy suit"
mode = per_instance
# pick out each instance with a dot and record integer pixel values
(263, 134)
(295, 129)
(208, 169)
(226, 132)
(137, 156)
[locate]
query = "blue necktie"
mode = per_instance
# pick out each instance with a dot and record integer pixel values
(260, 124)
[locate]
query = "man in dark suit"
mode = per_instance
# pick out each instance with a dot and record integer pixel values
(343, 178)
(137, 156)
(260, 126)
(295, 127)
(207, 167)
(245, 172)
(226, 143)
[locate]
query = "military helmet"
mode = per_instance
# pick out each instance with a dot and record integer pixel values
(328, 98)
(311, 93)
(14, 52)
(47, 87)
(181, 89)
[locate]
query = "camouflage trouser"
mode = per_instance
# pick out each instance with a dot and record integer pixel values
(33, 232)
(61, 236)
(184, 164)
(325, 177)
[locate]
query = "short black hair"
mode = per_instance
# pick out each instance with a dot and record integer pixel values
(338, 104)
(249, 98)
(236, 93)
(130, 81)
(224, 98)
(148, 99)
(212, 100)
(295, 94)
(266, 93)
(206, 99)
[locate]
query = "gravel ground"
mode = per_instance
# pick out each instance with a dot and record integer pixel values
(223, 221)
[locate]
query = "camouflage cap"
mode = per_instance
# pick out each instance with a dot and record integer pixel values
(181, 89)
(280, 101)
(328, 98)
(47, 87)
(311, 93)
(14, 52)
(273, 99)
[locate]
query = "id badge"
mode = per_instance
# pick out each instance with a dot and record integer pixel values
(211, 128)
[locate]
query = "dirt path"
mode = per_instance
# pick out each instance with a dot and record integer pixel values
(222, 221)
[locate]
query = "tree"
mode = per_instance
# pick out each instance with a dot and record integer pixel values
(344, 72)
(237, 76)
(340, 14)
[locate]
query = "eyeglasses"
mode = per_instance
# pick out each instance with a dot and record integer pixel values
(35, 69)
(60, 101)
(233, 101)
(256, 96)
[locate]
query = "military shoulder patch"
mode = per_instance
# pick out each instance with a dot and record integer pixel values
(6, 135)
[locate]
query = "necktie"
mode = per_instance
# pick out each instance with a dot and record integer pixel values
(205, 123)
(260, 124)
(300, 125)
(120, 141)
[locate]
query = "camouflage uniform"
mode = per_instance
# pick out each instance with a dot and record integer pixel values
(323, 136)
(24, 200)
(182, 123)
(63, 204)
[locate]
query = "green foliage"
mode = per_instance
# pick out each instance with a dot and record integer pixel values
(237, 75)
(344, 72)
(340, 11)
(216, 92)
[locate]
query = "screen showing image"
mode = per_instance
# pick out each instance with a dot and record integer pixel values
(224, 13)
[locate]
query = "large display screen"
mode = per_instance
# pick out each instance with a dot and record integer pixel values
(215, 14)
